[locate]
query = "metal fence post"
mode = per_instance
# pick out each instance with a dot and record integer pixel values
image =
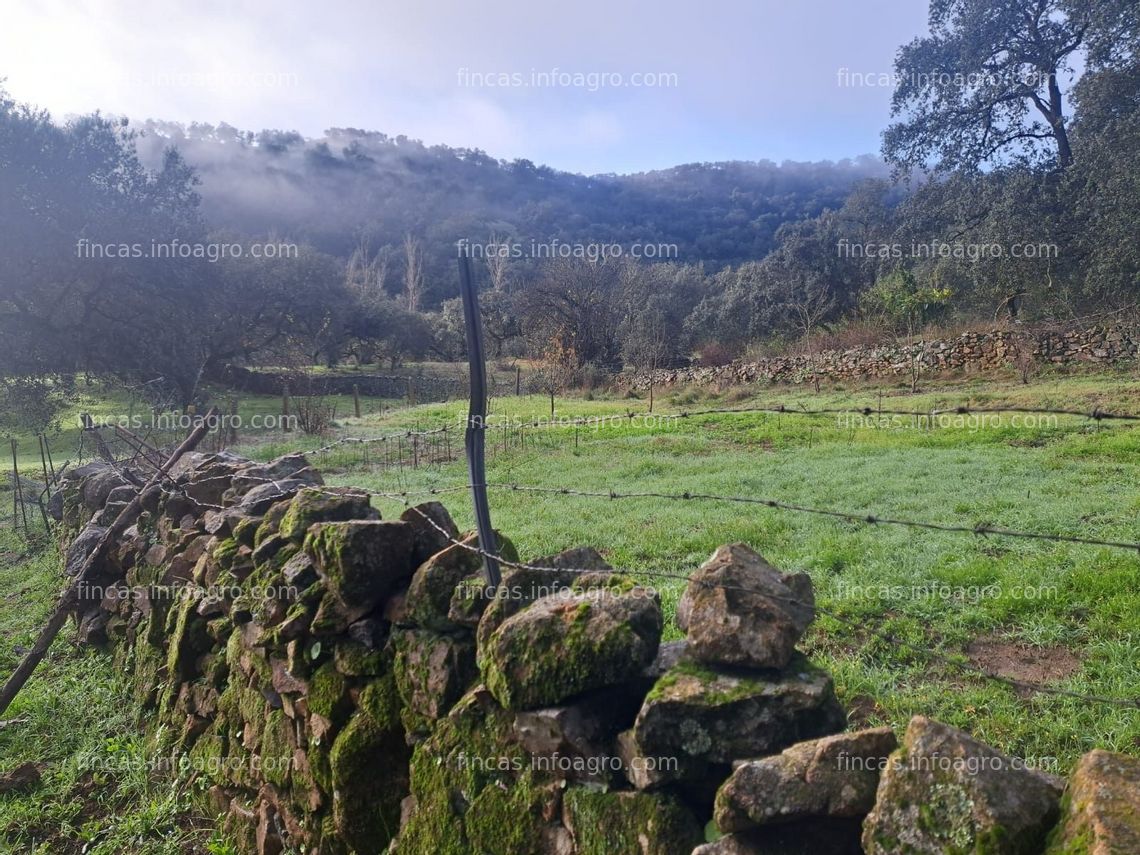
(477, 422)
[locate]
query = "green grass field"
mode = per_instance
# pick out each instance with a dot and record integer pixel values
(1060, 614)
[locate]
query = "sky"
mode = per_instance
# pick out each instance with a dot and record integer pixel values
(589, 86)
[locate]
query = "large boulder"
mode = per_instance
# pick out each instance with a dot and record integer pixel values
(1101, 808)
(696, 721)
(361, 562)
(740, 611)
(836, 776)
(567, 644)
(944, 791)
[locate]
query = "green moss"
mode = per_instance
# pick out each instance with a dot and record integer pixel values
(649, 823)
(356, 660)
(367, 805)
(225, 551)
(313, 505)
(380, 701)
(506, 821)
(557, 657)
(245, 532)
(188, 641)
(328, 694)
(207, 757)
(277, 749)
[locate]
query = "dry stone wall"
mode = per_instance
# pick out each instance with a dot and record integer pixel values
(342, 684)
(975, 352)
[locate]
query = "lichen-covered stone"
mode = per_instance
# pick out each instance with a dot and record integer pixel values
(428, 601)
(369, 774)
(603, 823)
(697, 720)
(1100, 813)
(836, 776)
(361, 562)
(562, 646)
(324, 504)
(740, 611)
(432, 673)
(434, 529)
(522, 586)
(468, 751)
(944, 791)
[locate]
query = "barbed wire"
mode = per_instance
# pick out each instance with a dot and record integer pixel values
(866, 518)
(859, 625)
(1096, 414)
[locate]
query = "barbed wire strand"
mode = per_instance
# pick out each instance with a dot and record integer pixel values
(860, 625)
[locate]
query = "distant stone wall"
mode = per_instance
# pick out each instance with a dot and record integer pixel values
(970, 353)
(342, 684)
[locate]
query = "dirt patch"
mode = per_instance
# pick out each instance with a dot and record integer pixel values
(864, 711)
(1022, 661)
(21, 779)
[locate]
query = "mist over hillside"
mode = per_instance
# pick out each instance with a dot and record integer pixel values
(353, 187)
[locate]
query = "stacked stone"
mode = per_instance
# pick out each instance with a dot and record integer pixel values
(246, 602)
(345, 684)
(970, 352)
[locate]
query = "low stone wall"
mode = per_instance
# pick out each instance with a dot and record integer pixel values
(970, 353)
(343, 684)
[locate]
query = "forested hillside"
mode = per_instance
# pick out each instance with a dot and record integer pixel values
(353, 186)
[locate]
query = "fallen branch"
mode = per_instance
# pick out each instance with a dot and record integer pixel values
(67, 602)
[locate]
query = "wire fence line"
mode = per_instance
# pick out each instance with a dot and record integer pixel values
(1096, 414)
(859, 625)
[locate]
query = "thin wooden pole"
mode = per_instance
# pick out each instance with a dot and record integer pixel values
(20, 490)
(59, 617)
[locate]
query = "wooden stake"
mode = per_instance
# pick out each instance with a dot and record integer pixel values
(67, 602)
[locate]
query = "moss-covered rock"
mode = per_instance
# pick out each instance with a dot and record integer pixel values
(324, 504)
(468, 751)
(646, 823)
(506, 821)
(565, 645)
(432, 673)
(361, 562)
(428, 602)
(434, 529)
(1101, 810)
(696, 720)
(522, 586)
(328, 694)
(271, 522)
(369, 774)
(276, 754)
(945, 792)
(355, 660)
(188, 641)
